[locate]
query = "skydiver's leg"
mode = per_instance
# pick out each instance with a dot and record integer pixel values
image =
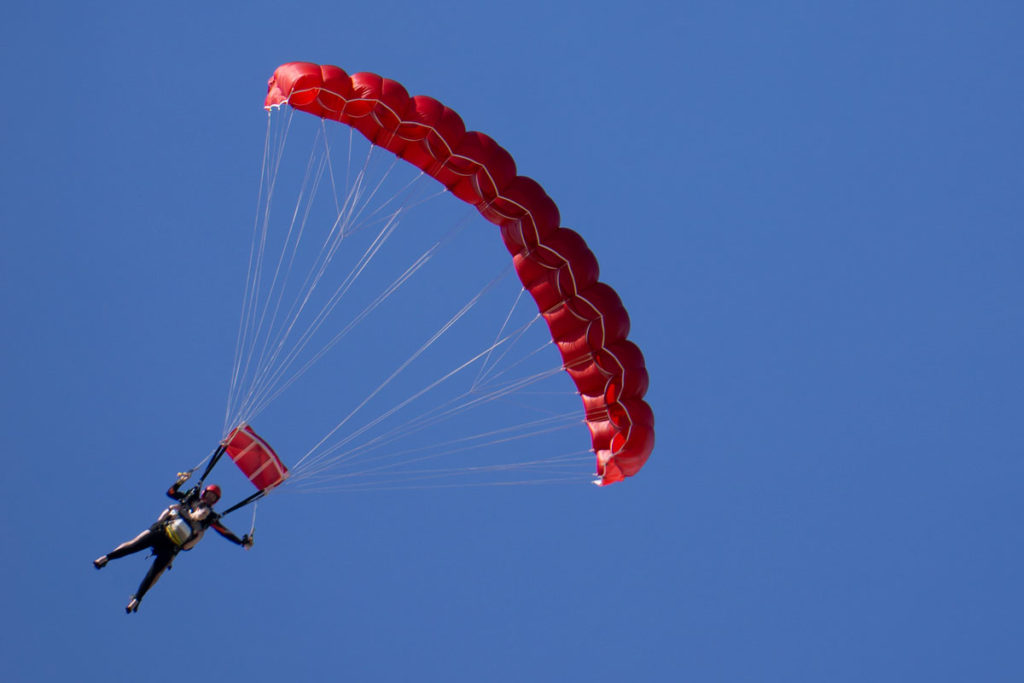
(140, 542)
(160, 564)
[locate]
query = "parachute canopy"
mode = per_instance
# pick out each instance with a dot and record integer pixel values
(586, 318)
(255, 458)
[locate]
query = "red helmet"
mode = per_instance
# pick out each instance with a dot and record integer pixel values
(214, 489)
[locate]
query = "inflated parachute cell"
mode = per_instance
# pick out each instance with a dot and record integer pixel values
(587, 320)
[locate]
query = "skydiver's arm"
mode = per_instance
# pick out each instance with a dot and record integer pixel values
(174, 493)
(245, 541)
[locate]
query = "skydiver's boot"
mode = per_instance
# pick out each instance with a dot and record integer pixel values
(133, 605)
(100, 562)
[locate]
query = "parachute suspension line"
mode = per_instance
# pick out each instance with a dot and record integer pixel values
(398, 469)
(315, 170)
(313, 184)
(457, 405)
(265, 364)
(374, 487)
(405, 364)
(233, 387)
(404, 192)
(511, 433)
(531, 354)
(524, 430)
(249, 292)
(351, 215)
(249, 331)
(491, 373)
(266, 393)
(438, 414)
(321, 459)
(348, 158)
(272, 156)
(392, 222)
(561, 468)
(501, 331)
(303, 342)
(476, 441)
(330, 167)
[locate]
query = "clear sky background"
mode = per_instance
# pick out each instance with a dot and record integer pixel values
(813, 212)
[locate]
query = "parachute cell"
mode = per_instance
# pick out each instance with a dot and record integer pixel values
(586, 317)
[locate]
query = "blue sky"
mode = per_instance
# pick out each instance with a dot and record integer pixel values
(812, 211)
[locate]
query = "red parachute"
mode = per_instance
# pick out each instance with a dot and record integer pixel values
(586, 317)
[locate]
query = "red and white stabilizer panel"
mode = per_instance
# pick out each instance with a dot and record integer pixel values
(255, 458)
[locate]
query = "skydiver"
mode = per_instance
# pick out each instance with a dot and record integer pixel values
(179, 527)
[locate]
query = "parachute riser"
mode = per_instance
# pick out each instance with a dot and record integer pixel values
(242, 503)
(213, 461)
(193, 493)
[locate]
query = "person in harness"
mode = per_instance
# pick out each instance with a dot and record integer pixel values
(179, 527)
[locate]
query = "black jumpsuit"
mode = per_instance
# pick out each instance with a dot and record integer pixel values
(199, 515)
